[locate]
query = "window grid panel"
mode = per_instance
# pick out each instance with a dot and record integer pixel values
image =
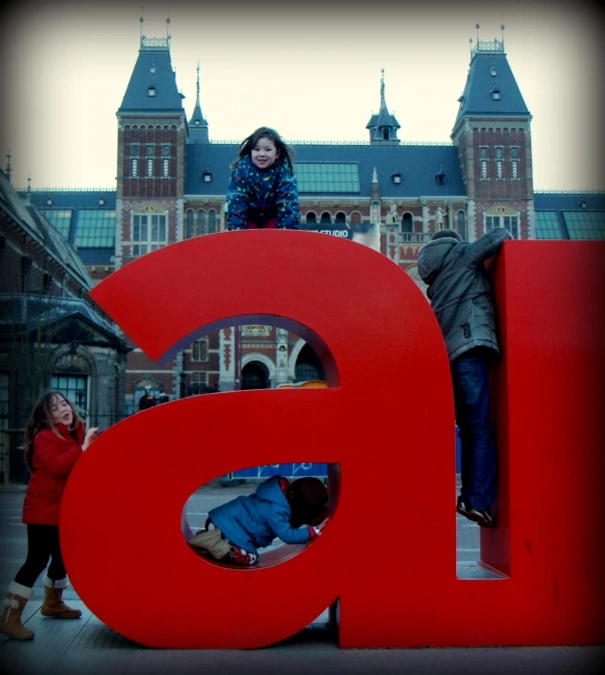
(60, 218)
(585, 225)
(327, 177)
(96, 228)
(547, 225)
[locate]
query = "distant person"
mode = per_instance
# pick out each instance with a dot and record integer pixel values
(236, 530)
(262, 192)
(461, 297)
(55, 439)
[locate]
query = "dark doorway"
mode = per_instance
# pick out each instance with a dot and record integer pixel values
(308, 366)
(255, 376)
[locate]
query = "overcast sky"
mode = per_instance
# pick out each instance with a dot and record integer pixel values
(310, 69)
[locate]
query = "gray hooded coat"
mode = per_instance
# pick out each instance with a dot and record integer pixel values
(459, 289)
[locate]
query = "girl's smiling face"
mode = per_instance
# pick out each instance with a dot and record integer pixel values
(264, 153)
(61, 411)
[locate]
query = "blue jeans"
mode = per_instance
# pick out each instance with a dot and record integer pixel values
(478, 451)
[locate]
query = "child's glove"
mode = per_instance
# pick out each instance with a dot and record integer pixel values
(314, 532)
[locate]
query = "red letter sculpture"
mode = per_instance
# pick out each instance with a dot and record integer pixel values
(386, 418)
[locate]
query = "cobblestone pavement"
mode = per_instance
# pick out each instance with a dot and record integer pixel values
(88, 646)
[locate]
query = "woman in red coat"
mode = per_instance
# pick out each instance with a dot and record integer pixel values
(55, 439)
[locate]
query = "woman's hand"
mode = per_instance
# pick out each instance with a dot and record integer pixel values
(91, 434)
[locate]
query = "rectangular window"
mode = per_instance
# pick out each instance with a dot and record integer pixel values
(60, 218)
(150, 150)
(511, 223)
(499, 153)
(483, 152)
(327, 177)
(96, 228)
(491, 222)
(148, 233)
(514, 153)
(134, 150)
(75, 388)
(199, 350)
(165, 151)
(199, 378)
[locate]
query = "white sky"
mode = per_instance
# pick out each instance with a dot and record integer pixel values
(310, 69)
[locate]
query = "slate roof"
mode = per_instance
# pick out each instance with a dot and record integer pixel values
(477, 98)
(417, 164)
(153, 69)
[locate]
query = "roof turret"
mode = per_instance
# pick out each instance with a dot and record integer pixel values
(152, 87)
(383, 127)
(491, 89)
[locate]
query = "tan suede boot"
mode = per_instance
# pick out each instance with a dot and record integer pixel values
(53, 601)
(10, 623)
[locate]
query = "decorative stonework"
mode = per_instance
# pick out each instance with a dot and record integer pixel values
(256, 331)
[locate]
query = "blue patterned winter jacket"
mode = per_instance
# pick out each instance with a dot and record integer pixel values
(262, 194)
(254, 521)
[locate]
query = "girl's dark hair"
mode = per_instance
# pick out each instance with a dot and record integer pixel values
(42, 418)
(284, 151)
(308, 498)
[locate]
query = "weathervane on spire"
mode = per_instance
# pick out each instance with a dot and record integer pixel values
(502, 27)
(477, 26)
(382, 87)
(142, 21)
(168, 36)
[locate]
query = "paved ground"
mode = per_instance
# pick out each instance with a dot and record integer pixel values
(88, 646)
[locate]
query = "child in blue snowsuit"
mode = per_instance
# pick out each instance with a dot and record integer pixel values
(262, 192)
(236, 530)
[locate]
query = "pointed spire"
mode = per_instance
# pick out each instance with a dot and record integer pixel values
(197, 85)
(383, 127)
(198, 126)
(8, 165)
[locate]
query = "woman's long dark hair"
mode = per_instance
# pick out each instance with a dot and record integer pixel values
(284, 151)
(42, 418)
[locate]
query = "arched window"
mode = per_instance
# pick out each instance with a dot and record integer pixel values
(211, 221)
(385, 134)
(462, 225)
(355, 218)
(341, 218)
(326, 217)
(201, 222)
(311, 218)
(189, 224)
(407, 223)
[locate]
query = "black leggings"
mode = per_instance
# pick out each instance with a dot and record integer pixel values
(42, 544)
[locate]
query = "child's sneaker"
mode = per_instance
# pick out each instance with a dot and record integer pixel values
(482, 517)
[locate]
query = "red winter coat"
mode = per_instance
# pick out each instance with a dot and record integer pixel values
(53, 460)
